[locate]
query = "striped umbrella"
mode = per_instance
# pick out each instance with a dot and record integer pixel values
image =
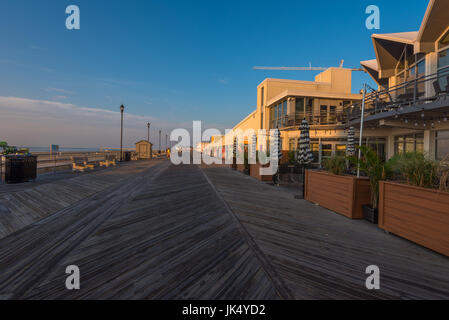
(277, 150)
(253, 152)
(278, 144)
(305, 156)
(234, 150)
(350, 147)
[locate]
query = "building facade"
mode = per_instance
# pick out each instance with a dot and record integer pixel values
(410, 109)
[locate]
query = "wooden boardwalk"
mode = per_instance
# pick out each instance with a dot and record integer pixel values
(23, 204)
(150, 230)
(163, 235)
(322, 255)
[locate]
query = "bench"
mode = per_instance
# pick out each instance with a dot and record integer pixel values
(78, 164)
(81, 164)
(109, 160)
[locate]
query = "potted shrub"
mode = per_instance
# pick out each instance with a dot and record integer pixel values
(376, 170)
(417, 206)
(335, 165)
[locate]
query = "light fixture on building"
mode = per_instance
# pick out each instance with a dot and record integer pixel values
(396, 116)
(422, 115)
(432, 124)
(445, 119)
(416, 123)
(424, 124)
(406, 121)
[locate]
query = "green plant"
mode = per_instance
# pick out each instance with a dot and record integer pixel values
(335, 165)
(6, 149)
(292, 157)
(443, 174)
(416, 169)
(374, 168)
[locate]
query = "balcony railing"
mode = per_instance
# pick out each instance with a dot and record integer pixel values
(325, 119)
(419, 91)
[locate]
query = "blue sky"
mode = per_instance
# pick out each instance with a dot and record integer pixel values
(170, 61)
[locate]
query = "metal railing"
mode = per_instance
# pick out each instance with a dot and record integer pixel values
(321, 119)
(415, 92)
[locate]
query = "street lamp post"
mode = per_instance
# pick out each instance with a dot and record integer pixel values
(148, 125)
(160, 142)
(166, 142)
(122, 109)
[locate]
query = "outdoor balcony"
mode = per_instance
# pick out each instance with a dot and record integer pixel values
(409, 100)
(331, 120)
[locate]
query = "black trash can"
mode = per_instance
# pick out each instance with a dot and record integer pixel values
(20, 168)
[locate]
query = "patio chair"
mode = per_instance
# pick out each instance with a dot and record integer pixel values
(78, 164)
(438, 91)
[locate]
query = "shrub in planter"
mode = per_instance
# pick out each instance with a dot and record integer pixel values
(416, 169)
(335, 165)
(376, 170)
(443, 174)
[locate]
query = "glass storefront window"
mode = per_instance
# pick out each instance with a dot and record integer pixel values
(292, 145)
(326, 150)
(442, 145)
(409, 143)
(315, 147)
(340, 150)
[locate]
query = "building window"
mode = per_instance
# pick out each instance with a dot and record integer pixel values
(315, 148)
(443, 67)
(340, 150)
(442, 145)
(299, 108)
(292, 144)
(409, 143)
(284, 113)
(326, 150)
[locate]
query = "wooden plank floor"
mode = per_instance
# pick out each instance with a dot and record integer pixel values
(157, 231)
(322, 255)
(23, 204)
(162, 235)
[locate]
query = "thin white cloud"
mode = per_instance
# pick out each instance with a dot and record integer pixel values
(63, 91)
(28, 122)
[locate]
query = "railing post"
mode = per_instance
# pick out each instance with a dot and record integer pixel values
(415, 89)
(361, 129)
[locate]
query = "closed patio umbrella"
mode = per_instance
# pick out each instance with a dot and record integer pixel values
(350, 147)
(278, 152)
(253, 154)
(305, 156)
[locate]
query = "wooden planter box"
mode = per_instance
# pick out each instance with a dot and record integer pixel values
(255, 172)
(342, 194)
(417, 214)
(240, 167)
